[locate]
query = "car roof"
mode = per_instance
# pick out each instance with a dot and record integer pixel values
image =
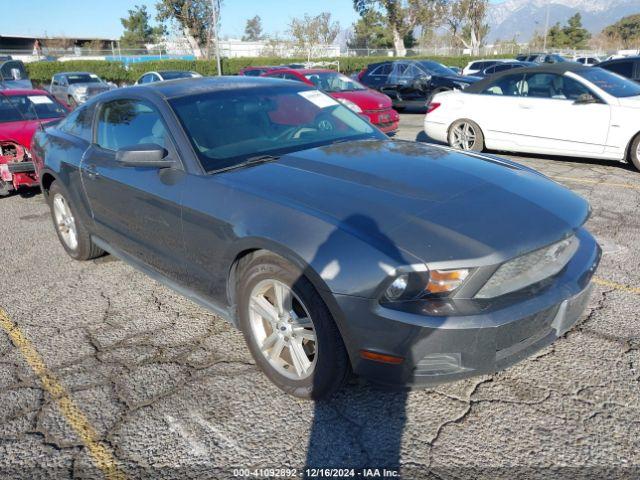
(75, 73)
(191, 86)
(557, 68)
(623, 59)
(304, 71)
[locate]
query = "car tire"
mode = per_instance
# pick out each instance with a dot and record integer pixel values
(634, 152)
(71, 231)
(288, 331)
(5, 188)
(466, 135)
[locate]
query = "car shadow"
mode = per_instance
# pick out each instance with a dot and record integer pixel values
(361, 426)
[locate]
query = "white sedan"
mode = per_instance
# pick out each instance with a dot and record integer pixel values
(561, 109)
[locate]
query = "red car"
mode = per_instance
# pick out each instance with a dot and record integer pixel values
(373, 105)
(22, 112)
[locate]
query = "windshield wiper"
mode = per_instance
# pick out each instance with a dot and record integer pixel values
(249, 162)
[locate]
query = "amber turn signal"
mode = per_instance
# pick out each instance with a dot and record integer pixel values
(443, 281)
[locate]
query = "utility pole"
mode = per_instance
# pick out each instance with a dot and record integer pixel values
(546, 31)
(215, 4)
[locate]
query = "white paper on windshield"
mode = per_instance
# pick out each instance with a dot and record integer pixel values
(39, 99)
(319, 99)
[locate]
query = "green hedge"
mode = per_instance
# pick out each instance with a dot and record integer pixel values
(41, 72)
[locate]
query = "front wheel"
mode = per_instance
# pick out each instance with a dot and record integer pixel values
(466, 135)
(289, 329)
(73, 235)
(5, 188)
(634, 152)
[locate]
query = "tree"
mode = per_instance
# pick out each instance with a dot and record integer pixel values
(137, 30)
(466, 19)
(625, 32)
(403, 16)
(576, 36)
(194, 18)
(253, 30)
(572, 35)
(309, 33)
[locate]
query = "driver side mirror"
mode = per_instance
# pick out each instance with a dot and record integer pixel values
(585, 99)
(148, 155)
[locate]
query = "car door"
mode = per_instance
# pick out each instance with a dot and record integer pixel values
(135, 209)
(551, 119)
(494, 109)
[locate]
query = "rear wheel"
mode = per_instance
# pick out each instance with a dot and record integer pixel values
(634, 152)
(73, 235)
(289, 329)
(466, 135)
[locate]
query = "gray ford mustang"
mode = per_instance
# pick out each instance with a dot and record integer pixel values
(333, 249)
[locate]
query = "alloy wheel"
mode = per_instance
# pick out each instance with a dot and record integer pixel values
(65, 222)
(463, 136)
(283, 329)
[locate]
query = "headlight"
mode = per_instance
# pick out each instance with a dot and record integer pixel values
(530, 268)
(350, 105)
(415, 285)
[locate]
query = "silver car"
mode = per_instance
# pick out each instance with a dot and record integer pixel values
(75, 88)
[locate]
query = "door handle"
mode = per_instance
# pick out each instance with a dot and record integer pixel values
(91, 171)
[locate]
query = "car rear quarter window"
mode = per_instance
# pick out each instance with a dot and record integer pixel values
(124, 123)
(508, 85)
(79, 123)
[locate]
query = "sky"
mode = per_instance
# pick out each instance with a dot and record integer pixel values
(92, 18)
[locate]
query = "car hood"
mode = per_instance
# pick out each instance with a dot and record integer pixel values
(21, 132)
(365, 99)
(435, 203)
(633, 102)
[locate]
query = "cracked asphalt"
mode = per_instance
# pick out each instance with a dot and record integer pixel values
(167, 390)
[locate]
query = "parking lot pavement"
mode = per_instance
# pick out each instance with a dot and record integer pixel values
(105, 373)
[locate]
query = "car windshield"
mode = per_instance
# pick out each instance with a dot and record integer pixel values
(174, 75)
(14, 108)
(333, 82)
(436, 68)
(226, 128)
(83, 78)
(610, 82)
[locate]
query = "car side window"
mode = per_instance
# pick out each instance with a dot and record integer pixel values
(559, 87)
(509, 85)
(79, 123)
(622, 68)
(124, 123)
(384, 69)
(145, 79)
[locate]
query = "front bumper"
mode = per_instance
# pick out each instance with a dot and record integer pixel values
(443, 349)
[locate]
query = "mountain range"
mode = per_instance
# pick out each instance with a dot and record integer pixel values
(520, 19)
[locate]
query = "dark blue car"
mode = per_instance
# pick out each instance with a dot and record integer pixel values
(334, 249)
